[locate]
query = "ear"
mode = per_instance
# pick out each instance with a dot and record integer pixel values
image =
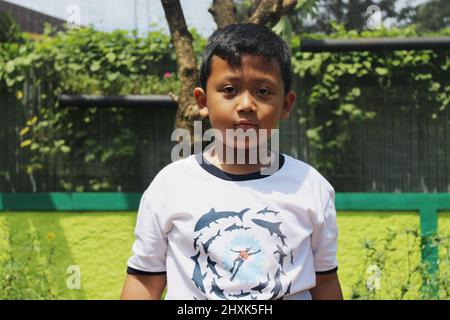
(200, 97)
(289, 100)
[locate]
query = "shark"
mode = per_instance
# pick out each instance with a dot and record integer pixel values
(266, 210)
(210, 240)
(278, 286)
(236, 227)
(212, 216)
(197, 276)
(282, 255)
(212, 266)
(288, 290)
(195, 241)
(272, 227)
(262, 285)
(240, 295)
(217, 291)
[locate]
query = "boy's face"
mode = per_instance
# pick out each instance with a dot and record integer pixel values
(248, 97)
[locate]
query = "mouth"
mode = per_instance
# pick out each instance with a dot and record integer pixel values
(245, 125)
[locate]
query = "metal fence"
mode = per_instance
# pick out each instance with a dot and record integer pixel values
(153, 127)
(399, 150)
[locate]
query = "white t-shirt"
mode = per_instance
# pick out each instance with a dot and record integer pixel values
(224, 236)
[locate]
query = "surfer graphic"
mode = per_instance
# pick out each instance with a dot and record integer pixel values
(237, 263)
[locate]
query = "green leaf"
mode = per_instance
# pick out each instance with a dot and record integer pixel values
(9, 68)
(381, 71)
(371, 114)
(302, 120)
(32, 121)
(112, 76)
(348, 107)
(74, 66)
(96, 186)
(356, 113)
(24, 131)
(89, 157)
(106, 155)
(44, 150)
(367, 64)
(111, 56)
(65, 149)
(10, 82)
(58, 143)
(435, 86)
(313, 133)
(25, 143)
(422, 76)
(95, 66)
(330, 68)
(352, 70)
(356, 92)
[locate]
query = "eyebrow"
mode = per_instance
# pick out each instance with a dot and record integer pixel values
(258, 79)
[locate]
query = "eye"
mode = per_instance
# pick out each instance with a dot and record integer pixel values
(264, 91)
(229, 90)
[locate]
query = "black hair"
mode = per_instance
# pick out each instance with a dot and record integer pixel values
(230, 42)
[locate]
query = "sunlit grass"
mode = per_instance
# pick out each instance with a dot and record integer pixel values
(45, 244)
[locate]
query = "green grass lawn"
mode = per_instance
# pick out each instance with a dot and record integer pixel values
(100, 244)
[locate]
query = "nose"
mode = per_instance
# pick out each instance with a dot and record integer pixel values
(246, 102)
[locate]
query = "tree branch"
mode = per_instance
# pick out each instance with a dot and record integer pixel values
(223, 12)
(252, 8)
(265, 11)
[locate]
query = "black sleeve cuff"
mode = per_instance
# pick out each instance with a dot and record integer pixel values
(136, 272)
(327, 271)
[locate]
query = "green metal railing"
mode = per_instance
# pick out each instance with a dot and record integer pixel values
(427, 204)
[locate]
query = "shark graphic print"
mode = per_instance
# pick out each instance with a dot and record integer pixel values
(239, 255)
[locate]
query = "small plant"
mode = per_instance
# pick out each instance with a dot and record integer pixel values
(24, 267)
(382, 275)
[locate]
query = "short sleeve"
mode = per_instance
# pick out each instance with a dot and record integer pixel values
(150, 245)
(324, 237)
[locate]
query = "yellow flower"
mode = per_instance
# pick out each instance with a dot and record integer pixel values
(50, 236)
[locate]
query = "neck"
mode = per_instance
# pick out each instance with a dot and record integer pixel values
(232, 165)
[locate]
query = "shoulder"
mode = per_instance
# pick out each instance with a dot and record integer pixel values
(309, 175)
(314, 189)
(161, 186)
(171, 172)
(306, 170)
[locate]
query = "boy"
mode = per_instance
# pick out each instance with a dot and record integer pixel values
(213, 228)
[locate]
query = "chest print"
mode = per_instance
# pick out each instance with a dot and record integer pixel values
(229, 252)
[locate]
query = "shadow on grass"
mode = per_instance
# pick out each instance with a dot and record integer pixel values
(35, 256)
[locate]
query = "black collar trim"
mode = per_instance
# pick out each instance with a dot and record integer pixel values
(212, 169)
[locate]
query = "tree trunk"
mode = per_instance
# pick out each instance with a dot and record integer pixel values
(186, 65)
